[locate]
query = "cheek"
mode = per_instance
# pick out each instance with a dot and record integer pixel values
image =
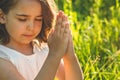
(38, 27)
(14, 29)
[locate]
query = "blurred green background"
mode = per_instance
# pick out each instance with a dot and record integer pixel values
(95, 26)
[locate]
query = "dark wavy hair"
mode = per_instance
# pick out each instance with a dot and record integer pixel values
(47, 14)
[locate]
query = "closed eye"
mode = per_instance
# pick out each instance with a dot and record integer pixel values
(22, 19)
(39, 19)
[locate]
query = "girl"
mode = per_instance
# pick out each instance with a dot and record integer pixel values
(29, 49)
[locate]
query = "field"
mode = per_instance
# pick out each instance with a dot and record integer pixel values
(96, 36)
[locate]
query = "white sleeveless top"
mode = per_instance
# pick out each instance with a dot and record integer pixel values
(27, 65)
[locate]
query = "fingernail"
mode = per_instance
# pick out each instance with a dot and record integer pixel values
(61, 13)
(67, 24)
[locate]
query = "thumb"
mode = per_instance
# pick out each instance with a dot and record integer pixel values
(50, 33)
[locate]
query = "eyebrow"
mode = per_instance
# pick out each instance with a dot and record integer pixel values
(27, 15)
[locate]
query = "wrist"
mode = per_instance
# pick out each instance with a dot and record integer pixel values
(70, 57)
(54, 55)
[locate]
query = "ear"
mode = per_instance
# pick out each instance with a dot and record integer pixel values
(2, 17)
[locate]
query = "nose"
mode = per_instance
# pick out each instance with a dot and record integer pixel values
(30, 25)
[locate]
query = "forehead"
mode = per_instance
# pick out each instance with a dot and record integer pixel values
(27, 6)
(27, 3)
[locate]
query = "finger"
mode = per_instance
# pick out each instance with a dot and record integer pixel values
(50, 34)
(64, 24)
(66, 32)
(64, 20)
(58, 22)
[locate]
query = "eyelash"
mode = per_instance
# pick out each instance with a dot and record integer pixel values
(23, 20)
(38, 19)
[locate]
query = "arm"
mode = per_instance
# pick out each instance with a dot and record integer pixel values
(73, 70)
(57, 42)
(70, 69)
(8, 71)
(49, 69)
(60, 75)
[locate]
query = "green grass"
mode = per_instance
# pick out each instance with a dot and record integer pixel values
(97, 42)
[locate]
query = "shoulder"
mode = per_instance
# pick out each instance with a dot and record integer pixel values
(3, 54)
(8, 71)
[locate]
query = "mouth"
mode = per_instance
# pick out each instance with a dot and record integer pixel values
(28, 36)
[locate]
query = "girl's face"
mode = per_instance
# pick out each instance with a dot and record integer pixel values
(24, 21)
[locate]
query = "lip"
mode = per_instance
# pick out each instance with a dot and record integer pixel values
(29, 36)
